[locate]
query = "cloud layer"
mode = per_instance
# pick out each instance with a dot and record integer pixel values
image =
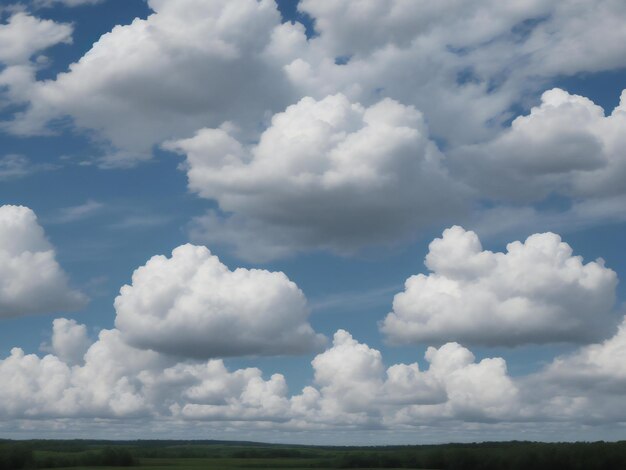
(388, 121)
(352, 390)
(225, 68)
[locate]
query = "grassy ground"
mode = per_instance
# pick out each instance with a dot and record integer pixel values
(194, 464)
(220, 463)
(195, 455)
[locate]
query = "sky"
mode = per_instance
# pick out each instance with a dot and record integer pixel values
(356, 222)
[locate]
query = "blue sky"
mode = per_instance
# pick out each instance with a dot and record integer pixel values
(332, 143)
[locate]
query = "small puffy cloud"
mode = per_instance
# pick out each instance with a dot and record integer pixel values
(565, 145)
(327, 174)
(24, 35)
(535, 292)
(69, 341)
(194, 306)
(348, 374)
(31, 280)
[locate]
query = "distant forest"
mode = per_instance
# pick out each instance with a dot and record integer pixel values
(222, 454)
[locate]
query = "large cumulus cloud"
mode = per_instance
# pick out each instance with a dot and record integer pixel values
(192, 305)
(535, 292)
(325, 174)
(31, 280)
(188, 65)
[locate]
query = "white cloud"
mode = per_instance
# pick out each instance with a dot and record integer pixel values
(24, 35)
(194, 306)
(354, 388)
(31, 280)
(462, 64)
(212, 66)
(119, 381)
(351, 388)
(327, 174)
(69, 341)
(106, 385)
(565, 145)
(584, 386)
(536, 292)
(595, 366)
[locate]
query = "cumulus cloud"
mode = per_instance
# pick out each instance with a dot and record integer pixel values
(565, 145)
(212, 64)
(231, 65)
(353, 387)
(69, 341)
(115, 380)
(325, 174)
(583, 386)
(31, 280)
(535, 292)
(192, 305)
(24, 35)
(104, 386)
(463, 66)
(595, 366)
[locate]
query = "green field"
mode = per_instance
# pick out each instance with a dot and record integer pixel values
(164, 455)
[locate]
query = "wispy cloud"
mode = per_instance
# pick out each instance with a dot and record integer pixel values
(139, 221)
(354, 300)
(75, 213)
(18, 166)
(507, 221)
